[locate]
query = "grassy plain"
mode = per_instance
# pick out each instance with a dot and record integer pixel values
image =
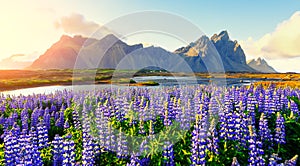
(18, 79)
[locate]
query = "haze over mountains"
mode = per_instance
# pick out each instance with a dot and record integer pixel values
(216, 54)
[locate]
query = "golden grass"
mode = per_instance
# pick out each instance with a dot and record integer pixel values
(17, 79)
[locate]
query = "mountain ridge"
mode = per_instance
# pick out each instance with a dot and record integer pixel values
(201, 55)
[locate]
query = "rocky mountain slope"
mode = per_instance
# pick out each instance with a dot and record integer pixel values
(218, 48)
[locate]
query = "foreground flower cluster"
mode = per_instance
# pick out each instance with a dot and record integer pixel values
(187, 125)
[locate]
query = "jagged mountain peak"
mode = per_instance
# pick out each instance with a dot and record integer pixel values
(231, 53)
(261, 65)
(261, 61)
(257, 61)
(202, 39)
(68, 40)
(223, 36)
(110, 37)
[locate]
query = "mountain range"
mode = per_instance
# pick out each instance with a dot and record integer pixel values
(215, 54)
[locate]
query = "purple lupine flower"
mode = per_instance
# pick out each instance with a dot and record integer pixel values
(212, 141)
(213, 109)
(28, 160)
(284, 100)
(102, 126)
(62, 108)
(68, 152)
(117, 107)
(21, 151)
(61, 119)
(122, 149)
(225, 115)
(22, 141)
(24, 119)
(168, 154)
(34, 117)
(279, 136)
(272, 107)
(36, 156)
(52, 108)
(170, 107)
(145, 161)
(34, 135)
(273, 160)
(86, 121)
(294, 108)
(231, 121)
(9, 153)
(124, 109)
(199, 142)
(88, 153)
(47, 118)
(41, 112)
(42, 132)
(260, 152)
(76, 120)
(245, 121)
(47, 121)
(2, 119)
(184, 118)
(111, 138)
(292, 161)
(66, 125)
(57, 150)
(276, 100)
(237, 117)
(57, 123)
(251, 104)
(134, 161)
(252, 148)
(264, 131)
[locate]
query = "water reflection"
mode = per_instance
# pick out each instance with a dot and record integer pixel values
(162, 80)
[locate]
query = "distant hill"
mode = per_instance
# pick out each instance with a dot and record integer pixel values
(261, 65)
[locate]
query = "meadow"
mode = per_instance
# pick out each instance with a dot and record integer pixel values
(19, 79)
(186, 125)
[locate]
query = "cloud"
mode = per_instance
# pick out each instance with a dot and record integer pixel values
(283, 42)
(18, 61)
(77, 24)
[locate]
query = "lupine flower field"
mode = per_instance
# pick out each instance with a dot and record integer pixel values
(186, 125)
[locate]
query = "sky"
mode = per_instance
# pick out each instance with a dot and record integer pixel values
(268, 29)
